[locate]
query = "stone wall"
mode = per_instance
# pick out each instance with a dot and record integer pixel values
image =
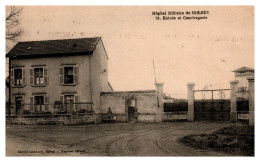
(146, 117)
(78, 119)
(175, 116)
(145, 103)
(242, 116)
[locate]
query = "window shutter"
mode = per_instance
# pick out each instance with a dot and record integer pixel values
(23, 75)
(76, 102)
(46, 103)
(31, 103)
(61, 75)
(12, 78)
(45, 75)
(31, 77)
(75, 74)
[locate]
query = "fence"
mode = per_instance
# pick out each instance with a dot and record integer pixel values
(51, 109)
(212, 105)
(176, 106)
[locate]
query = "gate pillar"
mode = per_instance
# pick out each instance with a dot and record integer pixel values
(159, 109)
(251, 88)
(233, 100)
(190, 115)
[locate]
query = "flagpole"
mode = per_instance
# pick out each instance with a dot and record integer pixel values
(154, 72)
(155, 83)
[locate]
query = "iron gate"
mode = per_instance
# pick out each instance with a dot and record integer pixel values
(243, 107)
(212, 105)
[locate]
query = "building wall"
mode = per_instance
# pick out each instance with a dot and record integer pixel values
(146, 105)
(242, 82)
(92, 77)
(99, 72)
(54, 89)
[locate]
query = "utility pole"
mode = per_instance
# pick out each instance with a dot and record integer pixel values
(9, 102)
(154, 72)
(155, 84)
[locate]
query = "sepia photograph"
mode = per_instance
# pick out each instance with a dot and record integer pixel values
(131, 81)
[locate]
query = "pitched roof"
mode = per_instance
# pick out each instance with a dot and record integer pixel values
(60, 46)
(243, 69)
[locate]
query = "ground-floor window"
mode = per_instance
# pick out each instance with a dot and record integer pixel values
(39, 100)
(39, 103)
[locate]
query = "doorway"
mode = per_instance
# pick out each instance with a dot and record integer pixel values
(18, 105)
(69, 102)
(132, 110)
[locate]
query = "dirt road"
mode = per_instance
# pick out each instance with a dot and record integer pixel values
(121, 139)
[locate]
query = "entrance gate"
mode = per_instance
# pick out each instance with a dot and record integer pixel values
(212, 105)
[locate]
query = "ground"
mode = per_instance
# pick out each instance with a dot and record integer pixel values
(120, 139)
(235, 140)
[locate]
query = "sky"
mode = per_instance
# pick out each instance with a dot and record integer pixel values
(201, 51)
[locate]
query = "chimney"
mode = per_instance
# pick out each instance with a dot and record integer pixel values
(159, 87)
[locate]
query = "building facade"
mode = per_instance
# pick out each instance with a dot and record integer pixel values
(58, 76)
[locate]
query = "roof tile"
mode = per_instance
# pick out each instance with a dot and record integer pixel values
(61, 46)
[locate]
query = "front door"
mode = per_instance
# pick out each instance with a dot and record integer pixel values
(69, 100)
(18, 105)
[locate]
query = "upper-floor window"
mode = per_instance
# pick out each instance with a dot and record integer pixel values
(18, 77)
(69, 75)
(242, 89)
(38, 76)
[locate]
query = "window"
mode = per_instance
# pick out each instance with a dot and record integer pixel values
(18, 77)
(39, 100)
(38, 76)
(68, 75)
(242, 89)
(39, 103)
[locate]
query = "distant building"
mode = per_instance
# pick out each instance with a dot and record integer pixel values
(241, 75)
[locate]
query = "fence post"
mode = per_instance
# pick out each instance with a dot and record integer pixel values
(233, 100)
(190, 115)
(251, 88)
(159, 107)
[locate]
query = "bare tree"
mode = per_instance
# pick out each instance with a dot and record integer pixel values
(13, 32)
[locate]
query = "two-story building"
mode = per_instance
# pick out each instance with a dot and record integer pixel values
(66, 82)
(58, 76)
